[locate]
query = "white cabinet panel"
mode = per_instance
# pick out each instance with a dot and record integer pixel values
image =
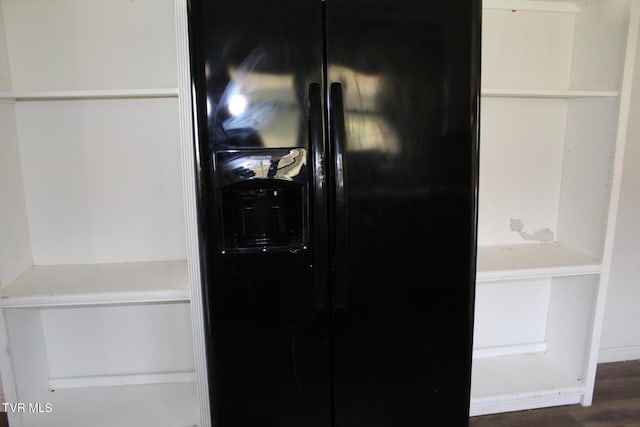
(599, 35)
(511, 313)
(90, 44)
(102, 180)
(586, 179)
(15, 246)
(521, 150)
(118, 340)
(526, 50)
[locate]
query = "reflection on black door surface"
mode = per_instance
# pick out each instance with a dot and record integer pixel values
(337, 173)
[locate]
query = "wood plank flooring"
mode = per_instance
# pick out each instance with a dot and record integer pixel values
(616, 403)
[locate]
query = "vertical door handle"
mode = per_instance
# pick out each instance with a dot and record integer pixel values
(319, 196)
(338, 139)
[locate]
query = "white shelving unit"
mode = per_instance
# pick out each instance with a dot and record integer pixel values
(554, 75)
(98, 260)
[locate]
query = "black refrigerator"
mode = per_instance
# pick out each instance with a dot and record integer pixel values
(336, 145)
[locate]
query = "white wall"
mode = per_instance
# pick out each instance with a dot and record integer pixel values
(5, 80)
(102, 184)
(621, 330)
(72, 44)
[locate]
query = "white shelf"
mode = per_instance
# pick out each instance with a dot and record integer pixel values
(519, 382)
(88, 94)
(526, 261)
(553, 94)
(150, 405)
(97, 284)
(532, 5)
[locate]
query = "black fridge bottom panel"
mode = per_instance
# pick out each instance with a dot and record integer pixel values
(270, 350)
(402, 337)
(401, 366)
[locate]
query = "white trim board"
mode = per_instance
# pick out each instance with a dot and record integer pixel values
(187, 136)
(619, 354)
(525, 402)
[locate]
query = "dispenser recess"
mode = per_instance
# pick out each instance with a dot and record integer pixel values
(262, 197)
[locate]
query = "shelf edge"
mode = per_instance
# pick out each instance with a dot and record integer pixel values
(122, 380)
(508, 350)
(57, 95)
(103, 298)
(532, 6)
(537, 273)
(546, 93)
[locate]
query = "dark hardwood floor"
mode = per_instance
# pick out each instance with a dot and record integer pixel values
(616, 403)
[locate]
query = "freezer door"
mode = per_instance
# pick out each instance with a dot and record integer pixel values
(256, 68)
(404, 91)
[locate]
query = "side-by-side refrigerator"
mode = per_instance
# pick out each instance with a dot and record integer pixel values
(337, 159)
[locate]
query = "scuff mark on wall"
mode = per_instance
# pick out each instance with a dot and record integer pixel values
(543, 235)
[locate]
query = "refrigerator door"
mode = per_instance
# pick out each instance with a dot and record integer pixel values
(257, 70)
(404, 92)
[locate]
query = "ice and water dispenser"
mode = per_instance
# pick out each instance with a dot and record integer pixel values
(262, 196)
